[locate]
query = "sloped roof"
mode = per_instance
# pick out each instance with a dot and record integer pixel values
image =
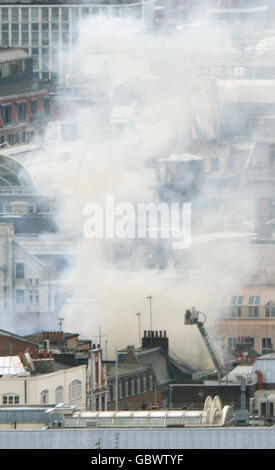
(45, 245)
(158, 361)
(11, 365)
(127, 369)
(12, 335)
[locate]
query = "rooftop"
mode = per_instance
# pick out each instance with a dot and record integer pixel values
(11, 365)
(9, 54)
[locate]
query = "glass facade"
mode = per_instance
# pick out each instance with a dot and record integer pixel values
(39, 26)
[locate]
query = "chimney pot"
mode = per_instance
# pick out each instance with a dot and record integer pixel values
(144, 334)
(164, 333)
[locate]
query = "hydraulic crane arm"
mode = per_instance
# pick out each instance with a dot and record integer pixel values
(192, 318)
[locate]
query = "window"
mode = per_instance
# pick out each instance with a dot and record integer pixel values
(25, 14)
(253, 309)
(135, 386)
(263, 409)
(236, 302)
(45, 14)
(35, 38)
(46, 106)
(25, 38)
(111, 392)
(75, 390)
(33, 105)
(5, 14)
(129, 387)
(123, 390)
(45, 39)
(34, 14)
(59, 395)
(266, 345)
(75, 14)
(65, 14)
(270, 309)
(6, 114)
(21, 111)
(10, 399)
(5, 39)
(14, 15)
(34, 296)
(55, 14)
(20, 296)
(19, 271)
(14, 39)
(231, 343)
(44, 397)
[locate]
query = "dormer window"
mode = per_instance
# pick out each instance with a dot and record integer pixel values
(253, 306)
(236, 302)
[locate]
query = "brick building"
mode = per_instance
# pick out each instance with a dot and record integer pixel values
(11, 344)
(25, 107)
(144, 374)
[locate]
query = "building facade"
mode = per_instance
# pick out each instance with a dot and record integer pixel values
(249, 316)
(67, 386)
(49, 31)
(28, 287)
(24, 106)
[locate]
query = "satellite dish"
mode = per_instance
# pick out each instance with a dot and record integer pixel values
(206, 411)
(216, 412)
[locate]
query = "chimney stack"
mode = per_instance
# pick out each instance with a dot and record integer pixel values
(155, 339)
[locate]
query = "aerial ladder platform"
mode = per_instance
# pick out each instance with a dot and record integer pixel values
(193, 317)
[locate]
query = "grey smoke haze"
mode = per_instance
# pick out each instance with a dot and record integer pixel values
(173, 105)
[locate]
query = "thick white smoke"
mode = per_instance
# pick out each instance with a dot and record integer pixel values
(158, 73)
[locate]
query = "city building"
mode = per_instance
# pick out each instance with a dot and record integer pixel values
(39, 380)
(24, 106)
(144, 374)
(30, 291)
(50, 32)
(12, 344)
(54, 351)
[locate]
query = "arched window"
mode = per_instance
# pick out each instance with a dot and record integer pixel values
(270, 309)
(75, 390)
(59, 395)
(44, 397)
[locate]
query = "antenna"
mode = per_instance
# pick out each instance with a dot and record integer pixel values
(99, 335)
(138, 315)
(60, 321)
(150, 303)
